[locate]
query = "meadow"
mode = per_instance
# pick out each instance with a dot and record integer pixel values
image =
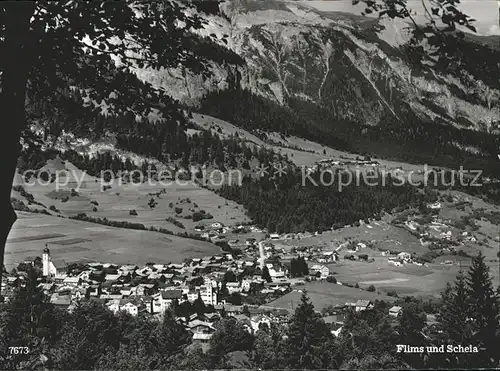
(324, 294)
(116, 203)
(78, 241)
(411, 279)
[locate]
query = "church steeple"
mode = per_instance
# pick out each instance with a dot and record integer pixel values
(45, 261)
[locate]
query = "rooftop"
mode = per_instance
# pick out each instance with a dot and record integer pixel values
(171, 294)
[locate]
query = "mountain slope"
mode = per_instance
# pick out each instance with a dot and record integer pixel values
(349, 64)
(344, 63)
(347, 83)
(337, 79)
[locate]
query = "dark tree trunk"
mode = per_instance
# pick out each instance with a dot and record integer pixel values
(15, 64)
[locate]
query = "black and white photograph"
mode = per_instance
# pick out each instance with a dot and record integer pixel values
(250, 185)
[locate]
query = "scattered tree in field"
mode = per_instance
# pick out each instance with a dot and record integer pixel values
(266, 352)
(230, 276)
(411, 323)
(265, 274)
(298, 267)
(331, 279)
(199, 305)
(152, 203)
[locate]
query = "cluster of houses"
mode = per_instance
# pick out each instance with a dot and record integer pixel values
(151, 289)
(203, 325)
(401, 259)
(215, 231)
(444, 235)
(335, 320)
(344, 163)
(312, 253)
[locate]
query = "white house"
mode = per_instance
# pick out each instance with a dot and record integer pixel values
(207, 292)
(395, 311)
(129, 307)
(404, 256)
(276, 273)
(113, 305)
(434, 206)
(362, 305)
(202, 331)
(85, 275)
(411, 225)
(395, 263)
(245, 285)
(323, 271)
(163, 300)
(336, 331)
(72, 281)
(216, 225)
(124, 305)
(328, 256)
(78, 294)
(59, 277)
(112, 277)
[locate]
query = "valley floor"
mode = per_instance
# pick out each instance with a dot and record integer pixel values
(78, 241)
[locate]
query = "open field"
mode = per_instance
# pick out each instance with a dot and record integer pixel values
(323, 294)
(407, 279)
(96, 242)
(115, 203)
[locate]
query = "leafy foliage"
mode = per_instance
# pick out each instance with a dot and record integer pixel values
(230, 336)
(440, 31)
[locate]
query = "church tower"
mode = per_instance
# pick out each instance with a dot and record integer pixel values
(46, 261)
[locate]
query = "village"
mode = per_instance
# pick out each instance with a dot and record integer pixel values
(253, 269)
(227, 284)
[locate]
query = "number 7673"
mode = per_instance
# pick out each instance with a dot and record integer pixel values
(19, 350)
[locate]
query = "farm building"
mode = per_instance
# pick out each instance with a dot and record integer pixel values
(395, 311)
(362, 305)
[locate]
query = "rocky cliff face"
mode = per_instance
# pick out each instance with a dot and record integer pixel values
(351, 65)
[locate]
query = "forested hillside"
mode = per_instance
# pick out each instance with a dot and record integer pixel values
(415, 141)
